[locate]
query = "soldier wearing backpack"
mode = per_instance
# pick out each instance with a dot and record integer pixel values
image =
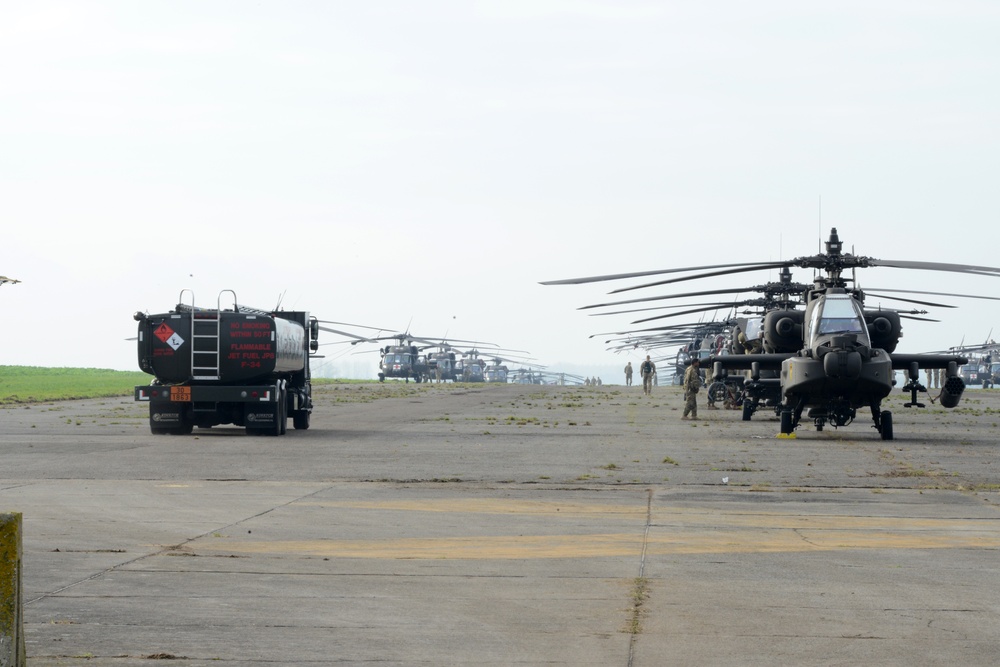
(646, 370)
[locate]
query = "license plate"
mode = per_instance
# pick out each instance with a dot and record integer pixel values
(180, 394)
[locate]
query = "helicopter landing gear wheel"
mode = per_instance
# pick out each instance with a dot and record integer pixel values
(786, 421)
(886, 429)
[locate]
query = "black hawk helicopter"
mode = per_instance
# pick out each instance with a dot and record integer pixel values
(471, 367)
(984, 362)
(844, 355)
(406, 359)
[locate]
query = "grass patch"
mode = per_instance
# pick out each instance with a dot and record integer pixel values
(638, 595)
(35, 384)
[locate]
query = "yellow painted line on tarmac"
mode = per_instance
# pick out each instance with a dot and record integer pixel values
(674, 531)
(446, 548)
(496, 506)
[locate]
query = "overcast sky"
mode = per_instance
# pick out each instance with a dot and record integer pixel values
(426, 164)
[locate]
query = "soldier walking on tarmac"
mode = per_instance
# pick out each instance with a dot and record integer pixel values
(646, 370)
(628, 374)
(692, 381)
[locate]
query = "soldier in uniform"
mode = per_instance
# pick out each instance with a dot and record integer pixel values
(647, 370)
(692, 382)
(628, 374)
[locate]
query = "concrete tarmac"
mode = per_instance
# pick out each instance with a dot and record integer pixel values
(507, 525)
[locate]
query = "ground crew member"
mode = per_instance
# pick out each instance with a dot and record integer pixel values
(692, 382)
(628, 374)
(749, 346)
(646, 370)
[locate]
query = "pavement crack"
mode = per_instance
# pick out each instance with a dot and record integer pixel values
(640, 586)
(171, 549)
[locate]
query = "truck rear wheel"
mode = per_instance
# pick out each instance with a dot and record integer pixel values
(300, 420)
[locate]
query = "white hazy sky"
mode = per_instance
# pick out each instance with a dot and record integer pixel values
(426, 164)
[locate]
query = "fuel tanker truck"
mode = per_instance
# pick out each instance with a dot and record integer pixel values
(239, 366)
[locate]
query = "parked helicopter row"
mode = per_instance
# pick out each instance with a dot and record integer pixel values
(813, 351)
(430, 359)
(984, 363)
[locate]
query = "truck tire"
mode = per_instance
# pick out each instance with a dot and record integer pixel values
(300, 420)
(281, 408)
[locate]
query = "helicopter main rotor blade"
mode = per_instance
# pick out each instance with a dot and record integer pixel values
(769, 288)
(936, 266)
(640, 274)
(359, 326)
(720, 304)
(913, 291)
(359, 339)
(899, 298)
(745, 268)
(717, 306)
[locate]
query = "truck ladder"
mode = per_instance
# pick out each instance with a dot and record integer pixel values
(206, 326)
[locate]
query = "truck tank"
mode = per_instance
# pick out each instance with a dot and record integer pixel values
(224, 346)
(239, 366)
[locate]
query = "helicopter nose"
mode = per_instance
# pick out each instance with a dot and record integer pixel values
(842, 364)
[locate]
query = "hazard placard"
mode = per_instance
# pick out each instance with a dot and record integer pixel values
(163, 332)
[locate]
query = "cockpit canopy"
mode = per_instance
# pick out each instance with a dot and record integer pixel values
(838, 314)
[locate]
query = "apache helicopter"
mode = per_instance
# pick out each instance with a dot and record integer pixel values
(839, 356)
(4, 280)
(735, 335)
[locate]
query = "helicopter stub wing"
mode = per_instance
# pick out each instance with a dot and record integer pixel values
(902, 362)
(744, 362)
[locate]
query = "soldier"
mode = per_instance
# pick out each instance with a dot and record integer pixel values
(749, 346)
(647, 370)
(692, 381)
(628, 374)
